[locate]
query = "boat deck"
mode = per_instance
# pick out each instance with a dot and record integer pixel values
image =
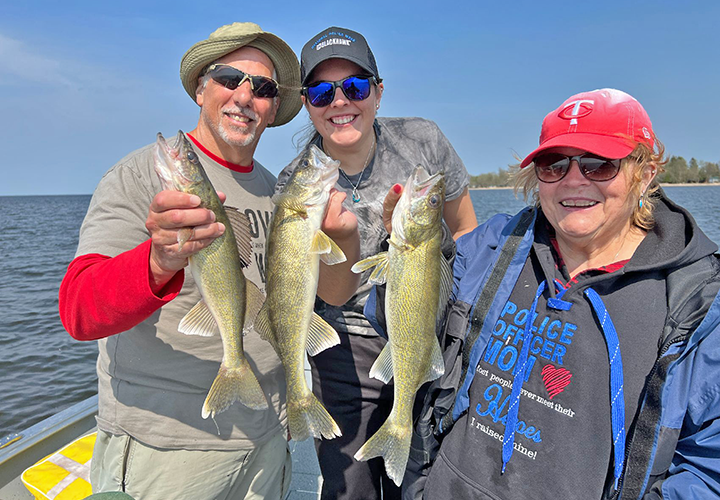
(305, 484)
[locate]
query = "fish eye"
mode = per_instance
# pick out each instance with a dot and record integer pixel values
(434, 200)
(191, 156)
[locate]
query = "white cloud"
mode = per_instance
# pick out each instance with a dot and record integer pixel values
(21, 63)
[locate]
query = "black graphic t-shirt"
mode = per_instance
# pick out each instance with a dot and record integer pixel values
(563, 435)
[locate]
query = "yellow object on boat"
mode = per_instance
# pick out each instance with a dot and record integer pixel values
(64, 475)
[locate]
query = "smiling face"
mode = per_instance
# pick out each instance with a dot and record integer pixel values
(344, 123)
(236, 118)
(587, 213)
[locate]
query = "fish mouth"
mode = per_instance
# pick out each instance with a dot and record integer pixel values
(168, 161)
(420, 182)
(326, 167)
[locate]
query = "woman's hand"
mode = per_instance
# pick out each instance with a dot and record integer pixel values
(391, 199)
(338, 283)
(339, 223)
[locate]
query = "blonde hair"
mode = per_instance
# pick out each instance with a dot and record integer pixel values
(526, 182)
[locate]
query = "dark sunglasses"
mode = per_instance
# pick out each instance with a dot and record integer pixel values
(355, 88)
(231, 78)
(553, 167)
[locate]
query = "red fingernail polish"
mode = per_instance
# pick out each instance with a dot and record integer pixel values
(397, 188)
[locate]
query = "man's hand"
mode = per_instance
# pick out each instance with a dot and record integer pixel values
(175, 217)
(391, 199)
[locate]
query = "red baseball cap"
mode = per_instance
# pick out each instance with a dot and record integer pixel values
(604, 122)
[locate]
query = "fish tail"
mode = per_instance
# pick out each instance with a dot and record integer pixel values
(234, 384)
(308, 417)
(392, 442)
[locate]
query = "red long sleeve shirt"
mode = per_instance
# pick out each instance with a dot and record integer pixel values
(102, 296)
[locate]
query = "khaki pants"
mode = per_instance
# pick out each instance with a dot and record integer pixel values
(120, 463)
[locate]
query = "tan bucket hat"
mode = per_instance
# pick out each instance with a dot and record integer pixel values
(233, 36)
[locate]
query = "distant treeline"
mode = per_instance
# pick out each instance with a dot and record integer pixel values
(677, 171)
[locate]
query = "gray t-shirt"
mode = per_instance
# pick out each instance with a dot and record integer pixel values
(402, 144)
(152, 379)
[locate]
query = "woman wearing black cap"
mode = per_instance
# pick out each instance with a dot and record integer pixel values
(341, 91)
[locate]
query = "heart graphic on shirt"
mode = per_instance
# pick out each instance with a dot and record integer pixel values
(556, 379)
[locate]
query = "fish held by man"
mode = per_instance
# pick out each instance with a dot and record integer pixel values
(419, 282)
(229, 301)
(296, 245)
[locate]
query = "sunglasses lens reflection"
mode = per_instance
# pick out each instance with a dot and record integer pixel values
(551, 167)
(599, 169)
(321, 94)
(356, 88)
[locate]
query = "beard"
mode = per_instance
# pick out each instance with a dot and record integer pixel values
(238, 136)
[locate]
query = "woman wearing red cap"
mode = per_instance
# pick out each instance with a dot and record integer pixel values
(342, 90)
(587, 331)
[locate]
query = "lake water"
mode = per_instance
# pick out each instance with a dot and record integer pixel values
(43, 370)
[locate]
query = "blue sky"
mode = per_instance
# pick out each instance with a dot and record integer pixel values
(83, 83)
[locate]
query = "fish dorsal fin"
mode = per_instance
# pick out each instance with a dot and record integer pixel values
(330, 253)
(382, 368)
(437, 365)
(199, 321)
(320, 336)
(379, 262)
(290, 202)
(446, 286)
(263, 327)
(254, 300)
(243, 237)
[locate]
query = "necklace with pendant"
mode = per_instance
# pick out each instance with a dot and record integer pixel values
(355, 195)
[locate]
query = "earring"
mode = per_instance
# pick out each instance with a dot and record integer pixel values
(640, 201)
(377, 106)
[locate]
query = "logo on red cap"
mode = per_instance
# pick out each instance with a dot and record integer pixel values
(576, 109)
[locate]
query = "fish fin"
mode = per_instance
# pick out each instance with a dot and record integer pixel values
(446, 287)
(241, 228)
(330, 253)
(320, 336)
(308, 417)
(290, 202)
(320, 243)
(379, 274)
(199, 321)
(437, 365)
(254, 300)
(262, 326)
(183, 236)
(234, 384)
(382, 368)
(392, 442)
(379, 262)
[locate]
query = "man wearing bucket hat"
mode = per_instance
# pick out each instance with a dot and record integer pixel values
(127, 288)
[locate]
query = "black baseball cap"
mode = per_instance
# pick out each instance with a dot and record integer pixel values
(337, 43)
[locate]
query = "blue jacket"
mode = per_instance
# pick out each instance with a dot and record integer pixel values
(672, 449)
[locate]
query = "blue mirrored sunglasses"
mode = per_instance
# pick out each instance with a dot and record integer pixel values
(355, 88)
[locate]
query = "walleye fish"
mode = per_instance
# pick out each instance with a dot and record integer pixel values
(296, 245)
(419, 281)
(229, 300)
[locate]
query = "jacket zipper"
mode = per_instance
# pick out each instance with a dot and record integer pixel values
(628, 445)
